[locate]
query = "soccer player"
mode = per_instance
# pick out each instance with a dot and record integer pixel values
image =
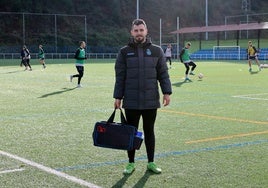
(23, 61)
(252, 55)
(168, 52)
(80, 57)
(25, 55)
(185, 58)
(41, 56)
(139, 67)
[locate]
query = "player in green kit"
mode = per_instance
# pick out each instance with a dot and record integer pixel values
(41, 56)
(80, 57)
(185, 59)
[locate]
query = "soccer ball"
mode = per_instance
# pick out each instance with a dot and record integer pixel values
(200, 75)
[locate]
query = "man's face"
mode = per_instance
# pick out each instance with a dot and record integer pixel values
(83, 45)
(139, 33)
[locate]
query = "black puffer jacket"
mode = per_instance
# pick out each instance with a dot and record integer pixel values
(138, 69)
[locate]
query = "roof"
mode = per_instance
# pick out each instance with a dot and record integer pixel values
(232, 27)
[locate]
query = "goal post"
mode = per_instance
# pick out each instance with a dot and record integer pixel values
(226, 52)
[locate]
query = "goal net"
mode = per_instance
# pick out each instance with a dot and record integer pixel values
(226, 52)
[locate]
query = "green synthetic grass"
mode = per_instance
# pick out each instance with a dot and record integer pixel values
(213, 134)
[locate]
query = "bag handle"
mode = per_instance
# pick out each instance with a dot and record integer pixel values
(122, 117)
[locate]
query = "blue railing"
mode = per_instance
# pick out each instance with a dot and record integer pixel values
(208, 54)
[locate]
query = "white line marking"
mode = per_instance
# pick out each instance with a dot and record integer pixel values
(252, 96)
(10, 171)
(50, 170)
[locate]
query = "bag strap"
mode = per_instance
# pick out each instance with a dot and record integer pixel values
(122, 117)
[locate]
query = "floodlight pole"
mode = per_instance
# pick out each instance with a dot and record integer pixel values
(23, 28)
(206, 18)
(55, 30)
(178, 36)
(138, 9)
(86, 29)
(247, 23)
(225, 33)
(160, 26)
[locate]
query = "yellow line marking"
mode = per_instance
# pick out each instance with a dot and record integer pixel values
(216, 117)
(226, 137)
(220, 118)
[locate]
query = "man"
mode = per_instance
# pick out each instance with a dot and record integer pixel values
(41, 56)
(23, 61)
(139, 67)
(185, 58)
(168, 52)
(25, 56)
(252, 55)
(80, 57)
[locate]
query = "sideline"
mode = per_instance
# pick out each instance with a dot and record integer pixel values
(50, 170)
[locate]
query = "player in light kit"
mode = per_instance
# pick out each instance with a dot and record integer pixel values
(168, 52)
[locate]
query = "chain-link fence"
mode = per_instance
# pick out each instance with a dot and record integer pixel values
(58, 33)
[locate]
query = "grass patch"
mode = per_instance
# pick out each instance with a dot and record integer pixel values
(44, 118)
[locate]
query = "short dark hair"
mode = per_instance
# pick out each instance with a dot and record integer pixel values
(139, 22)
(80, 42)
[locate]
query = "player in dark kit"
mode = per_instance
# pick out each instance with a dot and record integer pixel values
(22, 55)
(25, 58)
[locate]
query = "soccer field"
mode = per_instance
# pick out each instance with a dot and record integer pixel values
(213, 134)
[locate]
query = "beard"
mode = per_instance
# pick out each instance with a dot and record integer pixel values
(139, 39)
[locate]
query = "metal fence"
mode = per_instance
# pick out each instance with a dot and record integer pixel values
(60, 55)
(55, 30)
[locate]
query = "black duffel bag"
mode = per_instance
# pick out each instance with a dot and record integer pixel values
(109, 134)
